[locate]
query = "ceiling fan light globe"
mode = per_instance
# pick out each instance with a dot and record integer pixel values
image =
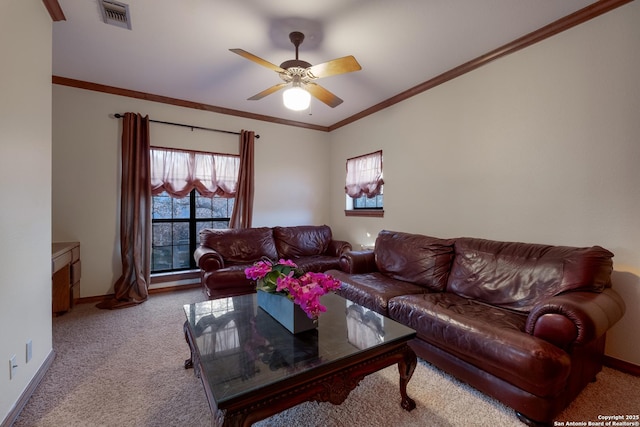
(296, 99)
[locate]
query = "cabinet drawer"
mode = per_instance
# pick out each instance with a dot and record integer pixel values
(60, 261)
(76, 272)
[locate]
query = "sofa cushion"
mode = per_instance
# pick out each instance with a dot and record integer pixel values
(520, 275)
(414, 258)
(487, 337)
(300, 241)
(318, 263)
(240, 246)
(372, 290)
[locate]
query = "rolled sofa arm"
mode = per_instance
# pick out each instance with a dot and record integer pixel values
(358, 262)
(575, 317)
(338, 247)
(208, 259)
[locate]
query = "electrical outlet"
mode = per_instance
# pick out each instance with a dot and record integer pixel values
(13, 365)
(29, 350)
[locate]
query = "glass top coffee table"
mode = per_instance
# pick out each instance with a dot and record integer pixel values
(252, 367)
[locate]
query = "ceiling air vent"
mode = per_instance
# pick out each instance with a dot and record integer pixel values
(115, 13)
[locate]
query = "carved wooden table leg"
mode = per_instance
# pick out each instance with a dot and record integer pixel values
(189, 362)
(406, 367)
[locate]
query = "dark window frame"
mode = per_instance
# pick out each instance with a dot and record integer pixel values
(379, 202)
(194, 241)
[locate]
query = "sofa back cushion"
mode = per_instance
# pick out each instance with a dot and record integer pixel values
(519, 275)
(240, 246)
(303, 240)
(414, 258)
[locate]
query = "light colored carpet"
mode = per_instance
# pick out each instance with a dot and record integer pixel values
(107, 372)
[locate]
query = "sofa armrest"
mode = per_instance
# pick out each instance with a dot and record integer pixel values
(358, 262)
(338, 247)
(575, 317)
(208, 259)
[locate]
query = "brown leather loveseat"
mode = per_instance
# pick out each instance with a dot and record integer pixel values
(224, 254)
(523, 323)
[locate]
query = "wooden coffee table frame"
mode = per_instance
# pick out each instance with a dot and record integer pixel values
(331, 382)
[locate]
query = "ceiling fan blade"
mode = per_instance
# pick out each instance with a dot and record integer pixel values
(343, 65)
(252, 57)
(266, 92)
(323, 95)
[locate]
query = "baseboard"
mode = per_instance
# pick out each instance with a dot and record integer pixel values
(31, 388)
(176, 288)
(159, 290)
(174, 276)
(622, 366)
(92, 300)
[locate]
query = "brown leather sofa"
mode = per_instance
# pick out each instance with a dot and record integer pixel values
(523, 323)
(223, 255)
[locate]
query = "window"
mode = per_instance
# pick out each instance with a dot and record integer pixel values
(191, 190)
(364, 185)
(364, 202)
(177, 224)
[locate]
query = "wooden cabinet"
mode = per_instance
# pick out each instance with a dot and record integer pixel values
(65, 275)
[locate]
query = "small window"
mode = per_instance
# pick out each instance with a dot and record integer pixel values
(364, 185)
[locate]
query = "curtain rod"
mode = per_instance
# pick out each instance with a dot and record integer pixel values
(119, 116)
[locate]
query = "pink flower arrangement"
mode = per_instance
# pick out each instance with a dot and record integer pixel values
(284, 276)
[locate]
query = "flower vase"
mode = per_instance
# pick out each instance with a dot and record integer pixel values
(286, 312)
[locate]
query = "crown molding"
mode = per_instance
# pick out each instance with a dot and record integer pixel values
(54, 9)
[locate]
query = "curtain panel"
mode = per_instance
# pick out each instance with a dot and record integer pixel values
(364, 175)
(131, 288)
(179, 171)
(242, 214)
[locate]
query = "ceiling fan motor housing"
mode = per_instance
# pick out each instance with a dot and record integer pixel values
(298, 74)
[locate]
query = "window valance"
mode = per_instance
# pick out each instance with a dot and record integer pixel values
(179, 171)
(364, 175)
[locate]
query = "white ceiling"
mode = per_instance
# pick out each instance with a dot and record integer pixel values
(180, 49)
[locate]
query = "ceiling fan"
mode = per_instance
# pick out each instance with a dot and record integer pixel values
(300, 75)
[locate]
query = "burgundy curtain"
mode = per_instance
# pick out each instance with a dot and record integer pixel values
(242, 214)
(135, 215)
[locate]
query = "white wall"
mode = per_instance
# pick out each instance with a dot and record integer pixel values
(541, 146)
(291, 185)
(25, 189)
